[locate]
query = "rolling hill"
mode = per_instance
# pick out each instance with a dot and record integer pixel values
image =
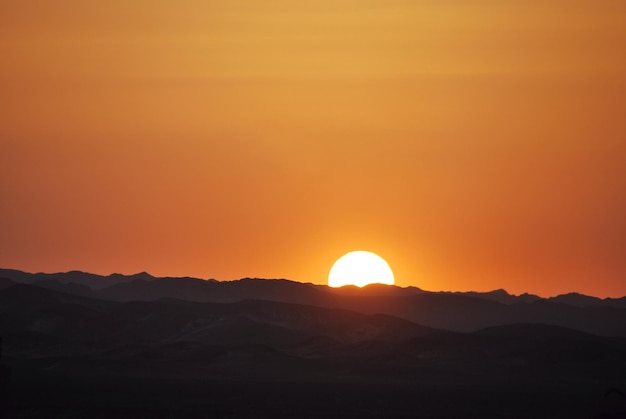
(186, 347)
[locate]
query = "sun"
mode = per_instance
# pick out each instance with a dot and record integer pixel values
(360, 268)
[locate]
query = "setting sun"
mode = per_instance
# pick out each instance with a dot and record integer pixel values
(360, 268)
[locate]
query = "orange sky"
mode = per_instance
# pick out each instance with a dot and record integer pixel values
(474, 145)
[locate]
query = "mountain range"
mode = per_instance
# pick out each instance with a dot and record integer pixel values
(455, 311)
(390, 351)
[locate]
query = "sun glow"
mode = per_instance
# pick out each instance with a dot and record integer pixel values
(360, 268)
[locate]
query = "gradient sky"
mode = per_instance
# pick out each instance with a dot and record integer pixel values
(474, 145)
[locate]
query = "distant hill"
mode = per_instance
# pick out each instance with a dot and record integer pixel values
(198, 290)
(501, 296)
(167, 336)
(580, 300)
(454, 311)
(93, 281)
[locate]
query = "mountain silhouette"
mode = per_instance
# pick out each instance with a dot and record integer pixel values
(461, 312)
(93, 281)
(140, 346)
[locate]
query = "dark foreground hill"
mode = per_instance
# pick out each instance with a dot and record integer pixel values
(80, 356)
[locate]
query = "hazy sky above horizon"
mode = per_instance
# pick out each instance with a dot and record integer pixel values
(473, 145)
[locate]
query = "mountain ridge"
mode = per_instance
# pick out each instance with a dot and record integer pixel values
(454, 311)
(96, 282)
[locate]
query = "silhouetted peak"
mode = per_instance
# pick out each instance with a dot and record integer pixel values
(576, 299)
(572, 294)
(269, 283)
(348, 287)
(140, 275)
(143, 275)
(255, 279)
(528, 295)
(377, 286)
